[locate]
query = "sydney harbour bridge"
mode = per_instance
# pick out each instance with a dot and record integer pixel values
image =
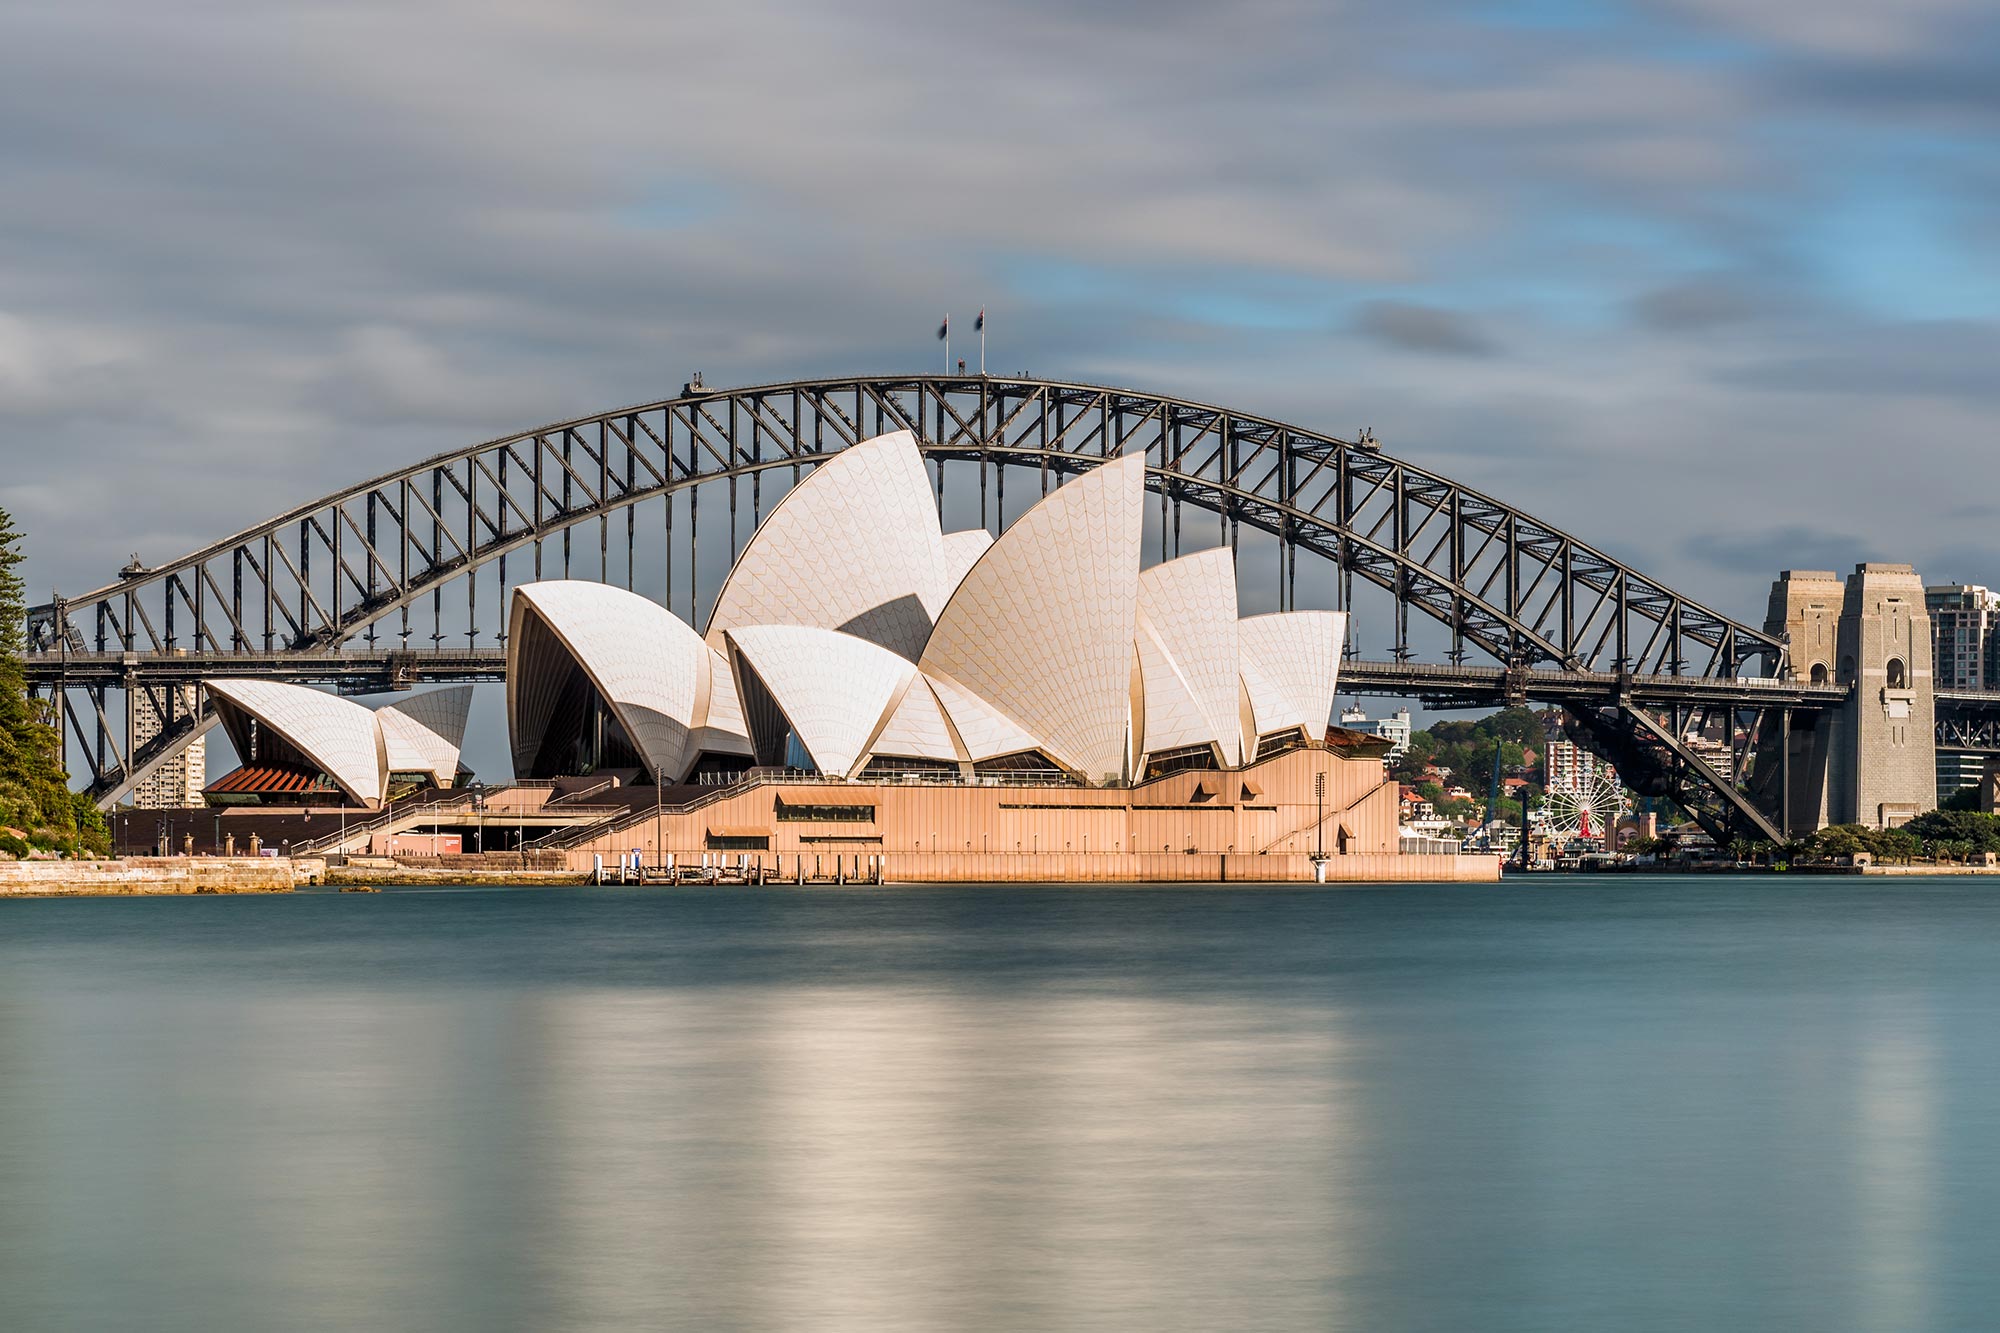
(403, 579)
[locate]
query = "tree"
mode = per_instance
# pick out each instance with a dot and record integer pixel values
(1978, 830)
(34, 788)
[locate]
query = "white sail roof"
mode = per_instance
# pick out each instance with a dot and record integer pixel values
(854, 547)
(1188, 654)
(336, 734)
(916, 727)
(1042, 626)
(424, 733)
(983, 731)
(962, 551)
(719, 727)
(650, 668)
(833, 688)
(1291, 670)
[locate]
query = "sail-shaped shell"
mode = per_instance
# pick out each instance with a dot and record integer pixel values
(1041, 627)
(854, 547)
(336, 735)
(833, 688)
(651, 670)
(1291, 671)
(962, 550)
(424, 733)
(916, 727)
(1188, 654)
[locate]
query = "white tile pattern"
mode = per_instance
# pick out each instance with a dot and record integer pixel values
(337, 734)
(424, 733)
(962, 551)
(719, 727)
(1291, 670)
(917, 729)
(1188, 655)
(833, 687)
(983, 731)
(646, 662)
(1042, 626)
(855, 546)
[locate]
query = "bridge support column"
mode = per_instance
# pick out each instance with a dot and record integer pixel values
(1805, 611)
(1885, 770)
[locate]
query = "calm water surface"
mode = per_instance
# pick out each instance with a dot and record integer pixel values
(1623, 1104)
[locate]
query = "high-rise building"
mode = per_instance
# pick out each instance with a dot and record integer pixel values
(1957, 770)
(176, 783)
(1395, 729)
(1965, 636)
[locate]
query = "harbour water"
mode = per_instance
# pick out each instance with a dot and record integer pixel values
(1631, 1103)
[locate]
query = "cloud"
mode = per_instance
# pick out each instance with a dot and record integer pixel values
(1605, 269)
(1697, 304)
(1420, 328)
(1934, 359)
(1791, 546)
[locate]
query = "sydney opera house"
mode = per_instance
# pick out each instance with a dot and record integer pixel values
(958, 705)
(875, 694)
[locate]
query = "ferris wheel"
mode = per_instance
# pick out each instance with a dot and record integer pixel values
(1586, 807)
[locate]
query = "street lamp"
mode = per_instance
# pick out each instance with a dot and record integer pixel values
(1319, 825)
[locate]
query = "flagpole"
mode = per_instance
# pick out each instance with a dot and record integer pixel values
(982, 341)
(947, 342)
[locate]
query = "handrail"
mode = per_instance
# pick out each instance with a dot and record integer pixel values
(340, 837)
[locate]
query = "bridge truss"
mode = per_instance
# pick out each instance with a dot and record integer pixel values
(337, 588)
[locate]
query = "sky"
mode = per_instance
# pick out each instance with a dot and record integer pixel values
(1712, 285)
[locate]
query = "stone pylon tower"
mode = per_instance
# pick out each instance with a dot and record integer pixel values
(1885, 770)
(1805, 610)
(1874, 760)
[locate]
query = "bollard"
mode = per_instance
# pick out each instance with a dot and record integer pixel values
(597, 869)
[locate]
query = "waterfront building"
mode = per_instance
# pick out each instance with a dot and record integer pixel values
(301, 747)
(177, 782)
(871, 685)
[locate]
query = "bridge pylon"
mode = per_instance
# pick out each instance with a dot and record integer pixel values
(1874, 760)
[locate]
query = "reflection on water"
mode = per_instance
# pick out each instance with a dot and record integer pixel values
(1676, 1105)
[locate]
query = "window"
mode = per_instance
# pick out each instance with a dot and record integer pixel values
(825, 814)
(1174, 761)
(738, 842)
(1898, 674)
(1819, 673)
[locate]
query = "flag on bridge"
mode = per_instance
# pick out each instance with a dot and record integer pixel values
(944, 329)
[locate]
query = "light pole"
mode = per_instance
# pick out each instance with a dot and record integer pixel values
(1319, 825)
(659, 802)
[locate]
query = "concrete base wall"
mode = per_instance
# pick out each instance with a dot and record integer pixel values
(148, 875)
(1112, 868)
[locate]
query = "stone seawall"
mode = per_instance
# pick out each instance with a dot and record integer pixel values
(149, 875)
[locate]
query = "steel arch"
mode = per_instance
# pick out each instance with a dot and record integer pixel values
(1517, 589)
(358, 563)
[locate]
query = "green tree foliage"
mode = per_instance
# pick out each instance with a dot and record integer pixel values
(1965, 798)
(1466, 748)
(1844, 840)
(34, 788)
(1956, 833)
